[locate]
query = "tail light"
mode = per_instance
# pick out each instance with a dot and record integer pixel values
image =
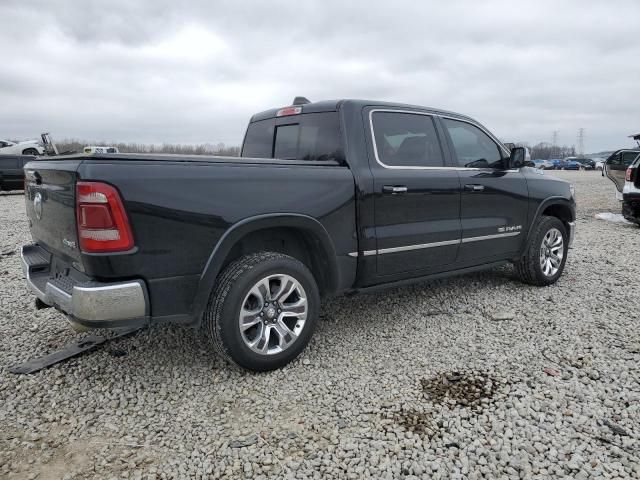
(629, 174)
(102, 221)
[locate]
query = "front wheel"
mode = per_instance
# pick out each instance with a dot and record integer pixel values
(30, 151)
(546, 254)
(263, 310)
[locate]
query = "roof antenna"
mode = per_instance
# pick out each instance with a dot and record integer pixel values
(300, 101)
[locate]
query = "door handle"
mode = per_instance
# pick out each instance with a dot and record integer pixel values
(474, 188)
(394, 189)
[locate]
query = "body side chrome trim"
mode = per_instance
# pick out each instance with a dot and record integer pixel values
(418, 247)
(421, 246)
(489, 237)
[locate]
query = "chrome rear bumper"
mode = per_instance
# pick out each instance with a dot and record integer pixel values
(90, 303)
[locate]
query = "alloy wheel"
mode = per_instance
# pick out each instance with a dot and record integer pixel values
(273, 314)
(551, 252)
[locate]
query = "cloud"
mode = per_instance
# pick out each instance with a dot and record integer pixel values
(191, 72)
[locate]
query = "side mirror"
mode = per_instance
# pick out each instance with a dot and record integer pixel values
(517, 158)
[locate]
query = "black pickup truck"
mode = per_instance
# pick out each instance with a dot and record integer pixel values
(327, 198)
(12, 171)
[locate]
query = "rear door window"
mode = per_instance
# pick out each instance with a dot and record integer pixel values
(406, 140)
(311, 136)
(628, 158)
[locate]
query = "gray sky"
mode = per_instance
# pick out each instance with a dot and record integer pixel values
(158, 71)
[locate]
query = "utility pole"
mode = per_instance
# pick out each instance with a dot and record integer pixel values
(554, 143)
(581, 142)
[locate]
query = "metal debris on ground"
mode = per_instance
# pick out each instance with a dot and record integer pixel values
(73, 349)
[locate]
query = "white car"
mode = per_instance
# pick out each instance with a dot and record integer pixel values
(28, 147)
(102, 149)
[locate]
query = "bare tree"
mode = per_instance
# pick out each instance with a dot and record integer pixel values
(75, 145)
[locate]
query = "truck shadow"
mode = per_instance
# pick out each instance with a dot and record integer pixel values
(348, 325)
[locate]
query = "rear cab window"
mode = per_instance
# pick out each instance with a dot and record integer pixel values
(307, 136)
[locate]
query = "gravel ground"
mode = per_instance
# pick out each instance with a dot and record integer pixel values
(474, 377)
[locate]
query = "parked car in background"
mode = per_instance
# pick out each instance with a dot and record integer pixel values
(326, 198)
(600, 163)
(11, 171)
(545, 164)
(587, 163)
(537, 163)
(557, 163)
(615, 167)
(27, 147)
(571, 163)
(99, 149)
(631, 192)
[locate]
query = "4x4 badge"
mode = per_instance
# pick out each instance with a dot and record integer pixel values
(37, 205)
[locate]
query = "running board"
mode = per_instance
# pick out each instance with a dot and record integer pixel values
(73, 349)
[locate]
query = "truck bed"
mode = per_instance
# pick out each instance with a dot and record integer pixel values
(179, 208)
(199, 159)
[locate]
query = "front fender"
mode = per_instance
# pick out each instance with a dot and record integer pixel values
(546, 203)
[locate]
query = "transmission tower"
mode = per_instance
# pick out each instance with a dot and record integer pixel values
(554, 143)
(581, 142)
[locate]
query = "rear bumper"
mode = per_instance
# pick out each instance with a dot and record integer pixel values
(90, 303)
(631, 207)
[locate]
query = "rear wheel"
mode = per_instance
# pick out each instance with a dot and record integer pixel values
(546, 254)
(263, 310)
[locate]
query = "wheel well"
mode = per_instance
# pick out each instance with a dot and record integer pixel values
(298, 243)
(559, 211)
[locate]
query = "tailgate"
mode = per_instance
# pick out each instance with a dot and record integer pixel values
(50, 203)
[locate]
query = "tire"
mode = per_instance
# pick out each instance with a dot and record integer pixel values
(239, 289)
(530, 267)
(30, 151)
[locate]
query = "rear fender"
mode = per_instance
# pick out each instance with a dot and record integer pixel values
(239, 230)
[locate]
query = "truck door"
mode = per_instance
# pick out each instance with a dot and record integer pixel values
(416, 194)
(494, 201)
(616, 166)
